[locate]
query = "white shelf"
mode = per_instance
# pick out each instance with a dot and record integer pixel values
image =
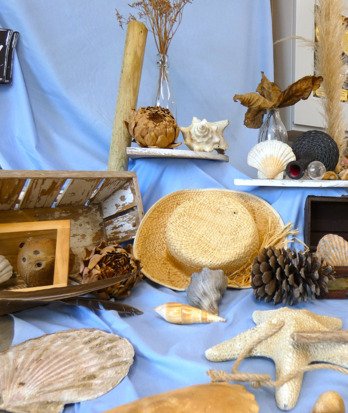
(292, 183)
(134, 153)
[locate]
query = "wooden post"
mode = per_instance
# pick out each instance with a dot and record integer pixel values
(127, 94)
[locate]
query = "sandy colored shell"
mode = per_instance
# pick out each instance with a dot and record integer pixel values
(330, 176)
(6, 269)
(343, 174)
(207, 398)
(270, 158)
(333, 249)
(177, 313)
(329, 402)
(206, 289)
(44, 374)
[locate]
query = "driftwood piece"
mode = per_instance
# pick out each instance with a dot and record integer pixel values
(127, 94)
(340, 336)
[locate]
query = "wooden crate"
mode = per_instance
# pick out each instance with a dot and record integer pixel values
(101, 206)
(328, 215)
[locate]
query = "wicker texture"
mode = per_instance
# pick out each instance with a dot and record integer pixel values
(316, 145)
(199, 227)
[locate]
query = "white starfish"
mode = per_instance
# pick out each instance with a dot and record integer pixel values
(287, 356)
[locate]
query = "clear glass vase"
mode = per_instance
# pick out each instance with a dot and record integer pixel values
(164, 93)
(273, 128)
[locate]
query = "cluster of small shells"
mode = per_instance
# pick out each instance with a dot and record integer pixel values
(334, 250)
(270, 158)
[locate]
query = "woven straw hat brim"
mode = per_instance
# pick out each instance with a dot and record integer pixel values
(150, 241)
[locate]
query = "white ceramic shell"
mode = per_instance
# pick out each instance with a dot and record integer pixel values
(205, 136)
(44, 374)
(6, 269)
(177, 313)
(206, 289)
(334, 250)
(270, 158)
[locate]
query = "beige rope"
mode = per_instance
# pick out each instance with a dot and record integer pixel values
(258, 380)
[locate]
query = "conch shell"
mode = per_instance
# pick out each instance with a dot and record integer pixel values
(177, 313)
(329, 402)
(205, 136)
(206, 289)
(334, 250)
(6, 269)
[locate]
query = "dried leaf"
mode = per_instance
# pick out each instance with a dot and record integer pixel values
(299, 90)
(253, 100)
(254, 118)
(269, 90)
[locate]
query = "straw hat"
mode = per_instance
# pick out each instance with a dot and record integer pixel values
(219, 229)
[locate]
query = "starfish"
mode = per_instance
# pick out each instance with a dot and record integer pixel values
(288, 356)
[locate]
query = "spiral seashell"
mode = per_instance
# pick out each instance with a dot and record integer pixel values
(206, 289)
(177, 313)
(205, 136)
(329, 402)
(6, 269)
(270, 158)
(334, 250)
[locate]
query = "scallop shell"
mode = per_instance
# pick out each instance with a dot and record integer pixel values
(206, 289)
(6, 269)
(270, 158)
(177, 313)
(334, 250)
(44, 374)
(329, 402)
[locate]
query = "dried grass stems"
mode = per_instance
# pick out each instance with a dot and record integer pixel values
(330, 66)
(163, 17)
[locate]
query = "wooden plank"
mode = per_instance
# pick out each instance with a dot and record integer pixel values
(41, 192)
(292, 183)
(123, 227)
(135, 153)
(119, 201)
(10, 190)
(79, 191)
(137, 198)
(24, 174)
(109, 186)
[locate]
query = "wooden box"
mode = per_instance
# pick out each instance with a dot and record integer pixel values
(328, 215)
(101, 206)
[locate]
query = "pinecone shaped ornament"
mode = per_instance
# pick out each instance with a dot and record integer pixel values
(153, 127)
(289, 276)
(107, 261)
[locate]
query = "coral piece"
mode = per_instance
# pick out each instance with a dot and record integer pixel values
(205, 136)
(207, 398)
(289, 276)
(35, 261)
(268, 95)
(330, 176)
(333, 249)
(6, 269)
(107, 261)
(270, 158)
(206, 289)
(177, 313)
(153, 127)
(329, 402)
(288, 358)
(44, 374)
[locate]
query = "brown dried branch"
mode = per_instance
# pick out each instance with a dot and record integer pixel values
(163, 17)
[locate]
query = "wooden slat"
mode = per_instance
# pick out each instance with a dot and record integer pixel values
(10, 190)
(41, 192)
(119, 201)
(79, 191)
(24, 174)
(123, 227)
(109, 186)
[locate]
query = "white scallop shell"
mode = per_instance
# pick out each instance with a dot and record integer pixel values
(44, 374)
(270, 158)
(334, 250)
(206, 289)
(6, 269)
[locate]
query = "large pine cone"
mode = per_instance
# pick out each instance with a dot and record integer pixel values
(153, 126)
(288, 276)
(107, 261)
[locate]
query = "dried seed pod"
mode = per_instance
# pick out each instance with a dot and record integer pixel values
(177, 313)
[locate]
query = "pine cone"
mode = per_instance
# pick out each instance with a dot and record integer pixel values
(289, 276)
(107, 261)
(153, 126)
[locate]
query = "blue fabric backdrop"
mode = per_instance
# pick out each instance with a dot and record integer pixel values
(58, 114)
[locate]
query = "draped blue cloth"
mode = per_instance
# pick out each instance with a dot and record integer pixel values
(58, 114)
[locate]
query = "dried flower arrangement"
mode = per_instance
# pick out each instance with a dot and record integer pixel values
(163, 18)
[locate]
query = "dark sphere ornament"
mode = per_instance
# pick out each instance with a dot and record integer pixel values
(316, 145)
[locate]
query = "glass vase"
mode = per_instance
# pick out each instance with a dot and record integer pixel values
(164, 93)
(273, 128)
